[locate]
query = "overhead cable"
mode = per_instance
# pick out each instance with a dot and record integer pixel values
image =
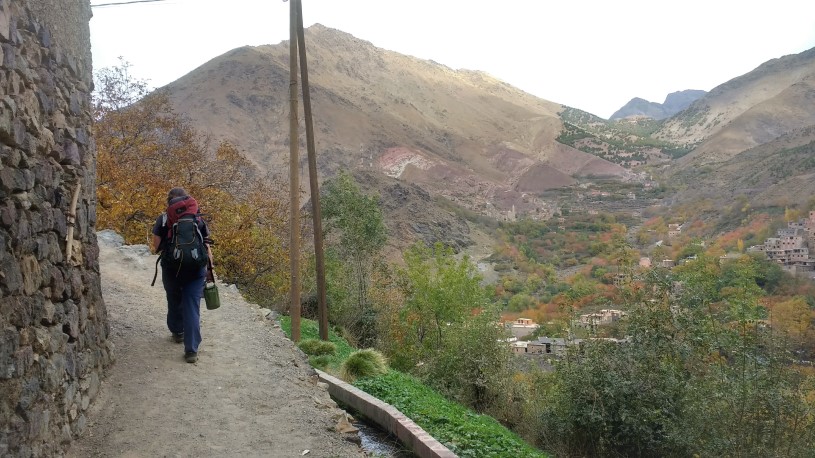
(125, 3)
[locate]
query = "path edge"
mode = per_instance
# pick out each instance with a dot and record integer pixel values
(387, 417)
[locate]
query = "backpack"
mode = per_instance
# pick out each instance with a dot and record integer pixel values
(185, 248)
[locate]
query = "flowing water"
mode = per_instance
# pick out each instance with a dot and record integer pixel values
(379, 443)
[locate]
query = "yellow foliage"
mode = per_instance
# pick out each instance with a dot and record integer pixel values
(144, 149)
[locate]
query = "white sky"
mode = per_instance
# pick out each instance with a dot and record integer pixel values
(590, 54)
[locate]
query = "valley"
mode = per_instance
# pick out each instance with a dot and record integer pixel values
(453, 201)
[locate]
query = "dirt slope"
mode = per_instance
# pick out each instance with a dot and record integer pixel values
(250, 394)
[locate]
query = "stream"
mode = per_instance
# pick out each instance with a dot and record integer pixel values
(379, 443)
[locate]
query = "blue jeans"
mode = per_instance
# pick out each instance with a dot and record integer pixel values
(184, 293)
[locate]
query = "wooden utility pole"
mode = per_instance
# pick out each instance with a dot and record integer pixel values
(294, 179)
(317, 217)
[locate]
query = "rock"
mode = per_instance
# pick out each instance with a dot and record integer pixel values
(32, 275)
(344, 426)
(42, 340)
(5, 21)
(9, 340)
(110, 238)
(16, 180)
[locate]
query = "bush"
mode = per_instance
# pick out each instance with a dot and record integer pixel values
(320, 362)
(364, 363)
(315, 347)
(309, 329)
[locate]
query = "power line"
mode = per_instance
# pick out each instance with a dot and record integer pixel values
(125, 3)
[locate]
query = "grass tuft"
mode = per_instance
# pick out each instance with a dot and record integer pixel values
(316, 347)
(364, 363)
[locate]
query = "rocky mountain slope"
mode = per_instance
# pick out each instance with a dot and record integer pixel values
(753, 109)
(456, 133)
(674, 103)
(754, 136)
(466, 139)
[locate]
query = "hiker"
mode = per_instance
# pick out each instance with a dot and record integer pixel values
(181, 238)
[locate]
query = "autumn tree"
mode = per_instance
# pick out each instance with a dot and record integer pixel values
(144, 148)
(793, 318)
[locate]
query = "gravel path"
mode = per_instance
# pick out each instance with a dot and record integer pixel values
(251, 393)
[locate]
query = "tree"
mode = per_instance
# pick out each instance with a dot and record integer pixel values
(144, 148)
(439, 292)
(521, 302)
(793, 318)
(791, 214)
(447, 332)
(689, 382)
(356, 236)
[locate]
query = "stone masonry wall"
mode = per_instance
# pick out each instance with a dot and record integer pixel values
(54, 344)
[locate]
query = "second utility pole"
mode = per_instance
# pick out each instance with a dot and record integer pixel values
(316, 213)
(294, 180)
(297, 41)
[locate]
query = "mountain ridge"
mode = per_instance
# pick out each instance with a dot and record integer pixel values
(673, 104)
(376, 106)
(479, 143)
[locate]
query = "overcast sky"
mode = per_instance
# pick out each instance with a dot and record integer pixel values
(590, 54)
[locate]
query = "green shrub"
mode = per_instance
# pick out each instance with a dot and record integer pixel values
(364, 363)
(316, 347)
(320, 362)
(309, 329)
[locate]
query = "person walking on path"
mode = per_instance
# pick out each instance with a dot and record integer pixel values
(182, 240)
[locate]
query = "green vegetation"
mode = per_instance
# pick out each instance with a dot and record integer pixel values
(700, 376)
(619, 141)
(792, 161)
(544, 243)
(316, 347)
(363, 363)
(356, 236)
(309, 330)
(693, 115)
(466, 433)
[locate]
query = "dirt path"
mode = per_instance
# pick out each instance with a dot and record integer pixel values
(250, 393)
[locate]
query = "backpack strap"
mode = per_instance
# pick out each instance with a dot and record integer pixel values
(156, 273)
(160, 247)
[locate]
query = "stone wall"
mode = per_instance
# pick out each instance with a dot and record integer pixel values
(53, 321)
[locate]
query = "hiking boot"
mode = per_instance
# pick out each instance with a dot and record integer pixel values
(178, 337)
(190, 356)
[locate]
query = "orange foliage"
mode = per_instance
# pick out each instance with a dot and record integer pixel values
(144, 148)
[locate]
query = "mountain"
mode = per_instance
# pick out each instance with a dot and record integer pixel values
(756, 108)
(674, 103)
(447, 139)
(459, 134)
(752, 136)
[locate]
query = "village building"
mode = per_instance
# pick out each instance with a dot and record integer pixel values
(548, 346)
(522, 327)
(667, 263)
(674, 230)
(791, 246)
(603, 317)
(557, 347)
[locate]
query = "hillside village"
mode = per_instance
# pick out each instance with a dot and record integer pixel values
(792, 246)
(790, 249)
